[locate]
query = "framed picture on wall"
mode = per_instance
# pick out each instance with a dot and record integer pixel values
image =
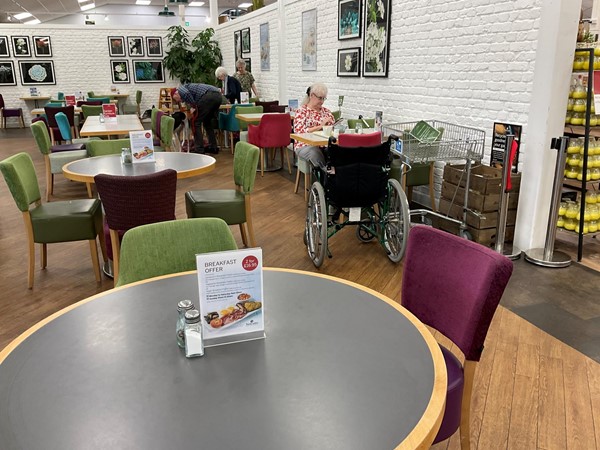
(135, 46)
(348, 62)
(4, 51)
(376, 38)
(246, 40)
(151, 71)
(237, 44)
(116, 46)
(309, 40)
(20, 46)
(41, 46)
(119, 69)
(248, 64)
(349, 15)
(154, 46)
(265, 47)
(7, 74)
(37, 72)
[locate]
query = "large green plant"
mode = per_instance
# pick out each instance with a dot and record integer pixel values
(192, 61)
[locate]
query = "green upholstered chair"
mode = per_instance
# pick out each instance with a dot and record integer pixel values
(364, 122)
(90, 94)
(102, 147)
(231, 205)
(134, 108)
(73, 220)
(167, 127)
(336, 114)
(162, 248)
(54, 160)
(90, 110)
(104, 100)
(244, 125)
(54, 105)
(253, 100)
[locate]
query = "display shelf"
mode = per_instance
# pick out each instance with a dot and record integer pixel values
(579, 185)
(574, 233)
(579, 130)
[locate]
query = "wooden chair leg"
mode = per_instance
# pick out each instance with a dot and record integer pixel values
(49, 178)
(95, 262)
(116, 247)
(249, 225)
(297, 181)
(244, 236)
(262, 162)
(465, 409)
(287, 156)
(22, 121)
(44, 255)
(31, 248)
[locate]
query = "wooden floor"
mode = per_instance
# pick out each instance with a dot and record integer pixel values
(531, 390)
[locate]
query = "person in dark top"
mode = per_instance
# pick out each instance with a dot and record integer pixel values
(231, 87)
(205, 99)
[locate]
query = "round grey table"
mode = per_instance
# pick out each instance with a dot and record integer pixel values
(341, 367)
(186, 164)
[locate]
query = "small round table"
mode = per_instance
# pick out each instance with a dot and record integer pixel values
(342, 366)
(186, 164)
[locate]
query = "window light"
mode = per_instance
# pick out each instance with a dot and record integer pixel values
(244, 5)
(196, 4)
(88, 6)
(23, 15)
(142, 2)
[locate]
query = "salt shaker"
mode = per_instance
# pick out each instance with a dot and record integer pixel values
(193, 334)
(182, 307)
(101, 118)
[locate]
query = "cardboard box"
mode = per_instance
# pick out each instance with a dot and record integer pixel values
(479, 220)
(477, 200)
(485, 180)
(485, 237)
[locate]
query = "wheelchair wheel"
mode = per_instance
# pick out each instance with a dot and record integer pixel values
(315, 230)
(396, 221)
(363, 234)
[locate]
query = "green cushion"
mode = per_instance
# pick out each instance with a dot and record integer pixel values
(110, 147)
(170, 247)
(91, 110)
(65, 221)
(58, 160)
(21, 179)
(167, 126)
(227, 204)
(245, 163)
(248, 110)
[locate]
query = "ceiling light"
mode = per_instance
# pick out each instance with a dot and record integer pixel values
(106, 17)
(142, 2)
(23, 15)
(88, 6)
(166, 12)
(244, 5)
(196, 4)
(82, 1)
(32, 22)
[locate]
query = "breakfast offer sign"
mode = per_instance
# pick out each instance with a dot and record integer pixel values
(231, 296)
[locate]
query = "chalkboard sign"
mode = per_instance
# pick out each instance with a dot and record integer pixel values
(501, 130)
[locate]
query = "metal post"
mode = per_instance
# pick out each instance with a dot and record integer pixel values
(546, 256)
(507, 250)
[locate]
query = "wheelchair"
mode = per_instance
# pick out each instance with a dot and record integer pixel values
(354, 188)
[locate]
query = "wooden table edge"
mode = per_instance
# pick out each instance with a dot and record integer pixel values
(420, 437)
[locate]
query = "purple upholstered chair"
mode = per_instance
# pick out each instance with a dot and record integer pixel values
(454, 285)
(131, 201)
(9, 112)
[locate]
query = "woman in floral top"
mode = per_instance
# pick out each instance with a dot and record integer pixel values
(310, 117)
(245, 78)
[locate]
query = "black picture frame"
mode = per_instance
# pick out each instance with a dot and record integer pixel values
(148, 71)
(376, 64)
(248, 62)
(245, 36)
(116, 46)
(21, 47)
(119, 70)
(154, 46)
(7, 74)
(237, 45)
(4, 47)
(348, 62)
(34, 73)
(42, 47)
(135, 46)
(349, 19)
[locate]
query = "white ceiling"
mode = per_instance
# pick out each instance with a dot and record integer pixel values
(48, 10)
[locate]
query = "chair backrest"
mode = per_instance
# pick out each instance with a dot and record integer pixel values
(138, 200)
(54, 105)
(138, 97)
(99, 99)
(359, 140)
(267, 105)
(21, 179)
(453, 285)
(352, 123)
(253, 100)
(275, 130)
(63, 125)
(245, 162)
(41, 136)
(247, 110)
(90, 94)
(167, 126)
(170, 247)
(1, 102)
(61, 96)
(89, 110)
(100, 147)
(51, 112)
(88, 102)
(336, 114)
(155, 118)
(227, 121)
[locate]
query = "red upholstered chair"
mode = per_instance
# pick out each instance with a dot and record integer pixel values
(51, 112)
(273, 131)
(132, 201)
(9, 112)
(454, 286)
(359, 140)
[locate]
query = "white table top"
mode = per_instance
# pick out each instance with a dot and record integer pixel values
(256, 117)
(123, 125)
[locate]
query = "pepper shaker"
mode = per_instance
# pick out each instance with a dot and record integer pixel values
(182, 307)
(101, 118)
(193, 334)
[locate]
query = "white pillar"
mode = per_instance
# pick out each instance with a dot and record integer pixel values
(182, 15)
(282, 61)
(214, 14)
(552, 74)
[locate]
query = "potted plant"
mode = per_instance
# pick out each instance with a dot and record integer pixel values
(192, 61)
